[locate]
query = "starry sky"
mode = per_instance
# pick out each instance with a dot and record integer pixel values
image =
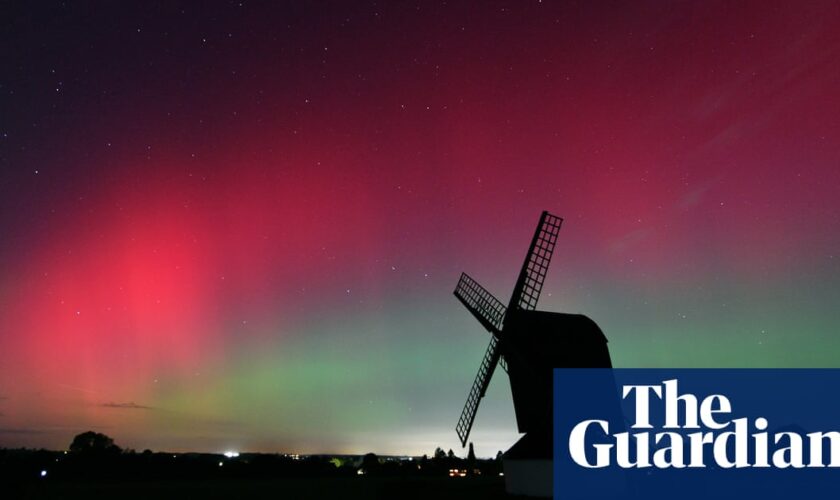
(237, 225)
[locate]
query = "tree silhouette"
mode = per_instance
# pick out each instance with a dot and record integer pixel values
(370, 463)
(93, 443)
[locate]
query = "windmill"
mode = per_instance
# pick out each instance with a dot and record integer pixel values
(528, 344)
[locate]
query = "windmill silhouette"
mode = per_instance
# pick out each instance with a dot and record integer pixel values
(529, 344)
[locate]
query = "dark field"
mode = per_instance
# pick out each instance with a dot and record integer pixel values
(304, 488)
(125, 475)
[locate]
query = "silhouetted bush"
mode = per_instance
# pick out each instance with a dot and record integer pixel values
(94, 443)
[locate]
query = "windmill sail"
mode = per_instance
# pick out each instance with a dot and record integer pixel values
(491, 313)
(531, 278)
(482, 304)
(479, 387)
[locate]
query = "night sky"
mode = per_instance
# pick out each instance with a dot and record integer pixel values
(238, 225)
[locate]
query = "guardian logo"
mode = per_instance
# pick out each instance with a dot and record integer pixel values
(696, 433)
(674, 449)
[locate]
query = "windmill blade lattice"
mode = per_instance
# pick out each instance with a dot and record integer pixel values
(479, 387)
(482, 304)
(492, 313)
(531, 278)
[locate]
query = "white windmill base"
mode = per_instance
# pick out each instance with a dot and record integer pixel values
(533, 478)
(528, 466)
(529, 471)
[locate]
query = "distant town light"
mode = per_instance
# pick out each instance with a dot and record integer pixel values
(360, 472)
(43, 473)
(231, 454)
(220, 464)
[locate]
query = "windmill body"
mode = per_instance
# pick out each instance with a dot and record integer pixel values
(528, 344)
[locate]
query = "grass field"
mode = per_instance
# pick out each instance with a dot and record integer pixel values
(291, 488)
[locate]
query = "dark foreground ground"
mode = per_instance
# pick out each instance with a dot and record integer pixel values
(125, 475)
(292, 488)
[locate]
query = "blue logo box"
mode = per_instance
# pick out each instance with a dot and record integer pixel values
(696, 433)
